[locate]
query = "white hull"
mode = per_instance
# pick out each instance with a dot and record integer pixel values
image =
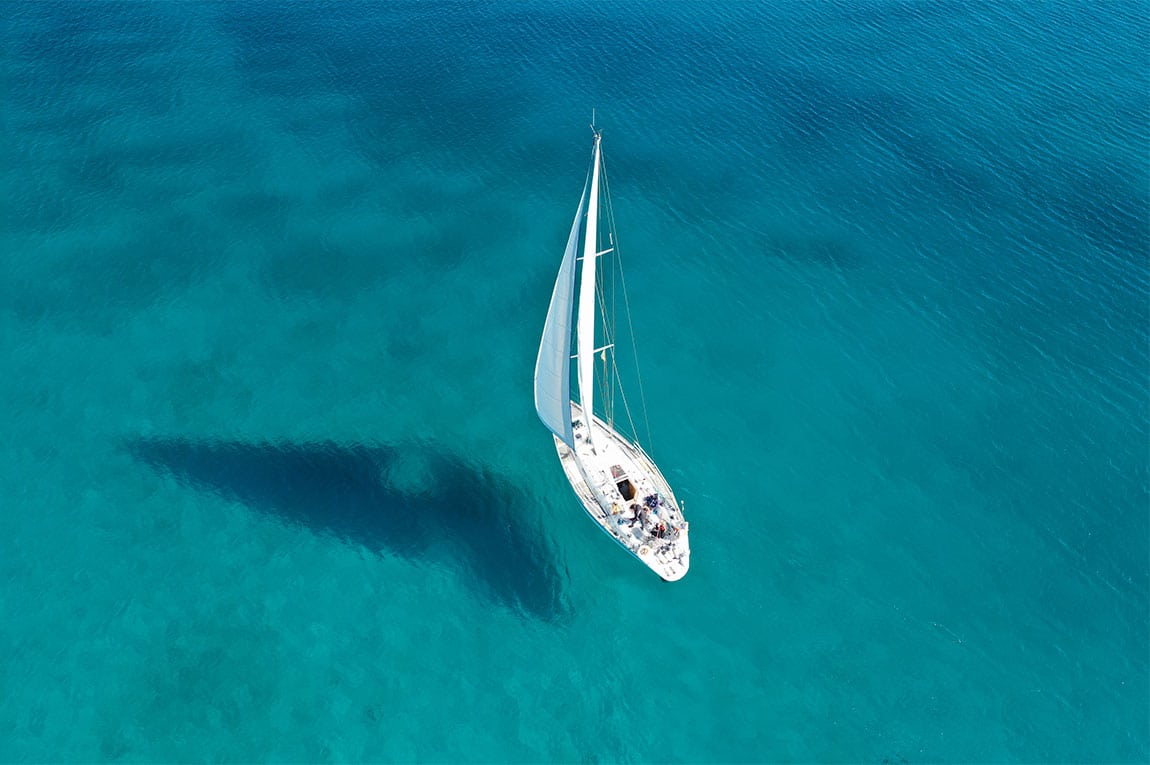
(603, 478)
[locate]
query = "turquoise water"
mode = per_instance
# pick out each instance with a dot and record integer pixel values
(271, 282)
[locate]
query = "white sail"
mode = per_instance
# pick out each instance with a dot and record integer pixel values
(553, 365)
(585, 338)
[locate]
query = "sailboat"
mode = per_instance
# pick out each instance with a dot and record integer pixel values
(617, 483)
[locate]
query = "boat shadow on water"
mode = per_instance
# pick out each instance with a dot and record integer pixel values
(416, 501)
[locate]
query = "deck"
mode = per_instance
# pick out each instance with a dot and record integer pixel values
(625, 494)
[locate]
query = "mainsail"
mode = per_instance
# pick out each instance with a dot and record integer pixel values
(586, 332)
(553, 365)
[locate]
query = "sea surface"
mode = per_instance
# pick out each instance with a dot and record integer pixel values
(272, 278)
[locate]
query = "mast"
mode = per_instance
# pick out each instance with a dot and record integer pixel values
(585, 339)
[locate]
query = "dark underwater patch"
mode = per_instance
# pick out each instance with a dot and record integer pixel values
(412, 500)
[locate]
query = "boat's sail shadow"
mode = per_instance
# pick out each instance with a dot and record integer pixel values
(415, 501)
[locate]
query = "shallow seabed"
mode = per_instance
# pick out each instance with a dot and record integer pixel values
(271, 281)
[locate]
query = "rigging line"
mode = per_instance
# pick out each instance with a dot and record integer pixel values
(611, 375)
(610, 380)
(604, 382)
(615, 382)
(609, 327)
(626, 406)
(608, 334)
(627, 305)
